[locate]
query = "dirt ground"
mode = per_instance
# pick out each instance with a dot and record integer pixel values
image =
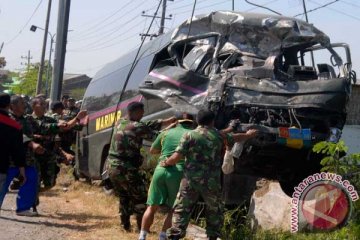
(71, 210)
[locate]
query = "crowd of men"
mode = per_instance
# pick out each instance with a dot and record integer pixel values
(33, 144)
(189, 167)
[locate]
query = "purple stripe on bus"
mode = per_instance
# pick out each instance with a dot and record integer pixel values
(114, 108)
(176, 83)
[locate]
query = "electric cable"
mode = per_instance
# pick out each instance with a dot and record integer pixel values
(133, 65)
(260, 6)
(338, 11)
(314, 9)
(173, 3)
(190, 24)
(98, 24)
(27, 22)
(96, 43)
(350, 4)
(297, 121)
(106, 46)
(203, 7)
(98, 31)
(265, 4)
(186, 5)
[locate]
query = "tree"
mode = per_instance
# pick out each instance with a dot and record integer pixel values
(28, 80)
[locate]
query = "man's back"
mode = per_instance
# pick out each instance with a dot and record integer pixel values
(170, 139)
(11, 142)
(202, 148)
(127, 140)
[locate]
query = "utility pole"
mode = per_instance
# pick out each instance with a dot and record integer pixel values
(162, 20)
(49, 67)
(233, 5)
(28, 58)
(41, 68)
(60, 49)
(307, 20)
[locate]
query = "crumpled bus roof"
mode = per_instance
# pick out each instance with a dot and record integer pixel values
(259, 34)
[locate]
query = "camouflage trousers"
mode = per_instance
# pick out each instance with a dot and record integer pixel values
(188, 195)
(131, 187)
(47, 168)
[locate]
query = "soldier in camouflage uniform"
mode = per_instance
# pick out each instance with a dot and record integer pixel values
(45, 129)
(67, 137)
(202, 149)
(27, 192)
(124, 161)
(71, 111)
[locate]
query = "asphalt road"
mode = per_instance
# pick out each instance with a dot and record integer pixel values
(43, 227)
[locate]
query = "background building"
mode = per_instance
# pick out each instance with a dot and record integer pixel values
(75, 85)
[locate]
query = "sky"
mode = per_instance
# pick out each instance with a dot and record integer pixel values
(101, 31)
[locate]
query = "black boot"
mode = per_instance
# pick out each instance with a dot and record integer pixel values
(125, 222)
(139, 220)
(34, 208)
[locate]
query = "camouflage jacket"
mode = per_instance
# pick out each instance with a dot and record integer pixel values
(67, 137)
(58, 117)
(44, 129)
(203, 150)
(70, 113)
(28, 134)
(127, 141)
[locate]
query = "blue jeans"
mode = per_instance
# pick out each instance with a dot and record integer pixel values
(27, 192)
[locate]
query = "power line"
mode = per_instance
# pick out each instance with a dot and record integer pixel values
(314, 9)
(117, 30)
(265, 4)
(120, 41)
(107, 17)
(174, 3)
(27, 22)
(203, 7)
(28, 58)
(121, 34)
(338, 11)
(186, 5)
(137, 54)
(351, 4)
(190, 24)
(96, 31)
(261, 6)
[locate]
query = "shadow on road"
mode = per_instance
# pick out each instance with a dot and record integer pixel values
(52, 224)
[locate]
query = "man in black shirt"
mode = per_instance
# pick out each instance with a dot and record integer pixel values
(11, 141)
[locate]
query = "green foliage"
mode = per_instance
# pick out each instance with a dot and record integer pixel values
(347, 166)
(335, 160)
(77, 93)
(236, 226)
(28, 81)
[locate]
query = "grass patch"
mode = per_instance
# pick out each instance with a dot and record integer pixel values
(87, 212)
(90, 214)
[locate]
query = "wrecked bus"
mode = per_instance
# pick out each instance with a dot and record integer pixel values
(277, 74)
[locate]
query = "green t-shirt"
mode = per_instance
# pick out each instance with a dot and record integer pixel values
(168, 141)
